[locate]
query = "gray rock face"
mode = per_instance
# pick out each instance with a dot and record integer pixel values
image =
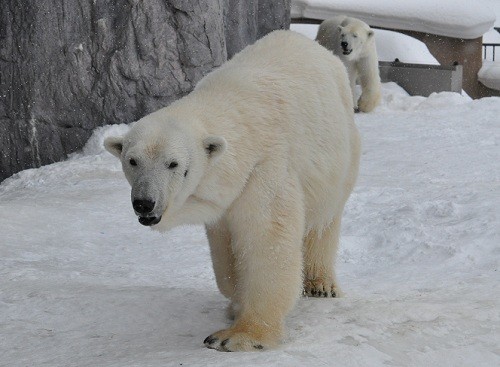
(69, 66)
(249, 20)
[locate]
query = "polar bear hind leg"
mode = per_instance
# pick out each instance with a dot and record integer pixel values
(320, 249)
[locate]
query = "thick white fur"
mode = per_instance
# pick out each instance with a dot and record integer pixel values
(272, 199)
(361, 63)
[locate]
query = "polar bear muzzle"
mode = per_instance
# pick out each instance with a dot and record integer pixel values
(149, 221)
(345, 48)
(143, 208)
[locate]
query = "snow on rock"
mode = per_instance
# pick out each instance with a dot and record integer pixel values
(83, 284)
(489, 74)
(451, 18)
(95, 145)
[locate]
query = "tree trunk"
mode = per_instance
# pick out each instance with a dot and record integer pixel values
(68, 66)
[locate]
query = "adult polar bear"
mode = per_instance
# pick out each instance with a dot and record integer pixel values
(353, 41)
(265, 152)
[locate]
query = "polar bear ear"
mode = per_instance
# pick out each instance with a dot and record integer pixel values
(214, 146)
(114, 145)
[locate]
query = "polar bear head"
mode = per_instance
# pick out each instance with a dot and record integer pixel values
(353, 37)
(163, 160)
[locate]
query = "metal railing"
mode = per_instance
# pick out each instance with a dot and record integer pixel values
(490, 47)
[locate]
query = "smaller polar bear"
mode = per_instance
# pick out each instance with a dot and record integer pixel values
(353, 42)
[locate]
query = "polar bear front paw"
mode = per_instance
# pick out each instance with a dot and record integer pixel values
(243, 339)
(320, 288)
(367, 102)
(224, 341)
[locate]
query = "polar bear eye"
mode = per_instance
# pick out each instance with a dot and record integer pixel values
(172, 165)
(132, 162)
(355, 35)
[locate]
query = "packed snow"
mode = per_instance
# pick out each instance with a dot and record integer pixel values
(451, 18)
(82, 283)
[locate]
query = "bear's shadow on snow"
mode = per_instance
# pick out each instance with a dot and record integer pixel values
(181, 318)
(125, 319)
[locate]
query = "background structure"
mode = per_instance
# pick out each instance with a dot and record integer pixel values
(69, 66)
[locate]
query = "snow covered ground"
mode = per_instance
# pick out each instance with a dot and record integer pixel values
(82, 283)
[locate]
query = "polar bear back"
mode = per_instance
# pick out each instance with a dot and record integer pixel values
(284, 101)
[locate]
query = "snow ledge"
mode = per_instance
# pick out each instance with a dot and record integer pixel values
(450, 18)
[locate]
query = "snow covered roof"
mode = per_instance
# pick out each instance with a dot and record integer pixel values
(492, 36)
(494, 5)
(451, 18)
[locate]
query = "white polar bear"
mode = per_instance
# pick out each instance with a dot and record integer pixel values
(265, 153)
(354, 42)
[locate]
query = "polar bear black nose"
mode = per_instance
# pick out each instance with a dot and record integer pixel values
(143, 206)
(344, 44)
